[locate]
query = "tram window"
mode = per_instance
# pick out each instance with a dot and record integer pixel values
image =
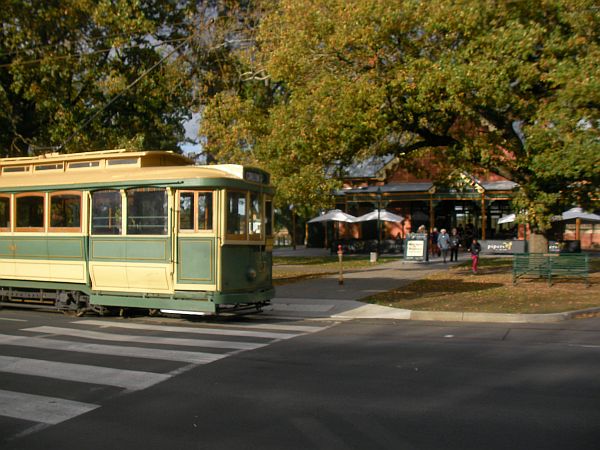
(147, 211)
(205, 210)
(106, 212)
(122, 161)
(30, 213)
(65, 211)
(4, 213)
(186, 210)
(236, 214)
(195, 208)
(269, 218)
(255, 215)
(84, 164)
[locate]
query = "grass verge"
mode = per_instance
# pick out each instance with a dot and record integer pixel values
(457, 289)
(291, 269)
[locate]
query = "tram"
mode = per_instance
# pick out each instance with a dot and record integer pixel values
(101, 231)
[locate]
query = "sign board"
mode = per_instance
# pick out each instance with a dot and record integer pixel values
(507, 246)
(570, 246)
(415, 247)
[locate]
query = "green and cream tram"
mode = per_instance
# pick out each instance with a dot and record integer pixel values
(118, 229)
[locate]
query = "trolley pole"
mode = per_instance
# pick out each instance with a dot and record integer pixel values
(340, 258)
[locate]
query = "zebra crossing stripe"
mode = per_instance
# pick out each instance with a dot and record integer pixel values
(132, 380)
(191, 330)
(112, 350)
(145, 339)
(38, 408)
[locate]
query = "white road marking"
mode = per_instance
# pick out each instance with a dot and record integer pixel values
(145, 339)
(217, 331)
(13, 320)
(38, 408)
(128, 379)
(112, 350)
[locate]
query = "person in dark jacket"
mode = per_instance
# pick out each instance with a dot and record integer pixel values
(454, 244)
(475, 250)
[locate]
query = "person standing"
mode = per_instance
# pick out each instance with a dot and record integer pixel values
(475, 250)
(435, 250)
(454, 244)
(444, 243)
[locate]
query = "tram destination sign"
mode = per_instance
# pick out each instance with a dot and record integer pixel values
(256, 176)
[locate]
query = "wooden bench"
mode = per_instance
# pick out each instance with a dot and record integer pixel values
(543, 265)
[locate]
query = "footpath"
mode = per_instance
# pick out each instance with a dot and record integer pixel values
(325, 298)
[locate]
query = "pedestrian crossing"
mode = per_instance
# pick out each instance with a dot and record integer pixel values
(113, 356)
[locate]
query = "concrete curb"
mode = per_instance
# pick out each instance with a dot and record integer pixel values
(370, 311)
(447, 316)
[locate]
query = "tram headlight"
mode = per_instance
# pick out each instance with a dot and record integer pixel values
(251, 274)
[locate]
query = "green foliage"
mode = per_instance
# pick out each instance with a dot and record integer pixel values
(511, 87)
(64, 63)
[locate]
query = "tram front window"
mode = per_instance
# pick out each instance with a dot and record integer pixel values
(236, 214)
(255, 215)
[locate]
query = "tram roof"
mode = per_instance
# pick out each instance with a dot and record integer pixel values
(218, 175)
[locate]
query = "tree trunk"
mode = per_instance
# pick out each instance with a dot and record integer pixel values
(538, 243)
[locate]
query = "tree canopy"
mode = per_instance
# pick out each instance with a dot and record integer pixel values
(84, 75)
(510, 87)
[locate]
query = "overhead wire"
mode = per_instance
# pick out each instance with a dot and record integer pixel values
(120, 94)
(94, 52)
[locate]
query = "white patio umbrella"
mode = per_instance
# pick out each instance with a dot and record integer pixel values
(336, 215)
(507, 219)
(381, 214)
(579, 213)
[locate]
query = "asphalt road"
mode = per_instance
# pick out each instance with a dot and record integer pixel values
(299, 384)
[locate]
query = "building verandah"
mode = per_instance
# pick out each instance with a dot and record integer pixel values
(474, 212)
(472, 205)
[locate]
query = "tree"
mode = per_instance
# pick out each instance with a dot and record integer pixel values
(83, 75)
(510, 87)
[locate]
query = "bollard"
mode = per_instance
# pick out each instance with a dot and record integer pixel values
(340, 257)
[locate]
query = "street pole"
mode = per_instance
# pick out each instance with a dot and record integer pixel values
(378, 220)
(340, 257)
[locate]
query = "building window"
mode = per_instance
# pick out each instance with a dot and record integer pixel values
(30, 212)
(106, 212)
(236, 214)
(147, 211)
(65, 211)
(5, 213)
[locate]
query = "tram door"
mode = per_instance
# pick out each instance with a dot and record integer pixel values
(196, 240)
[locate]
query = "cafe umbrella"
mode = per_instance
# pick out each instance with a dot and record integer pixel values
(334, 215)
(380, 214)
(578, 215)
(510, 218)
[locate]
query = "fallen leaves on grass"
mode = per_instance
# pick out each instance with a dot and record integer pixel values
(491, 290)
